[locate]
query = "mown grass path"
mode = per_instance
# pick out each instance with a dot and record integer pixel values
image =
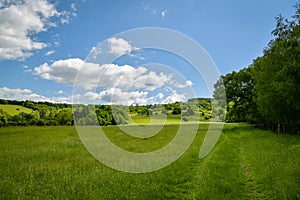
(250, 163)
(52, 163)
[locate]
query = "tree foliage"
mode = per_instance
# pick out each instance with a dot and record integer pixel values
(268, 91)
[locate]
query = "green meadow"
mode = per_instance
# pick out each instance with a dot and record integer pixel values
(15, 109)
(52, 163)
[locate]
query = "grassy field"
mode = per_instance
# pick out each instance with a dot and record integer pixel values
(52, 163)
(170, 119)
(144, 120)
(14, 109)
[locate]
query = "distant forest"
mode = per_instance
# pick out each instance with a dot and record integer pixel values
(53, 114)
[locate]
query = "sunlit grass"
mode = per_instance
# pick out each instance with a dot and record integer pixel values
(164, 119)
(14, 109)
(52, 163)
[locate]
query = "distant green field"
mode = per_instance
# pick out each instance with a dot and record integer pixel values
(52, 163)
(168, 119)
(14, 109)
(145, 120)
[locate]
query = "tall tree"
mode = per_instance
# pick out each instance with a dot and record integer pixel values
(240, 95)
(277, 75)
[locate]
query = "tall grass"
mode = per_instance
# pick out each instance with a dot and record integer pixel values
(52, 163)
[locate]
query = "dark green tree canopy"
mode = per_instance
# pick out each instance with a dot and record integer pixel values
(268, 91)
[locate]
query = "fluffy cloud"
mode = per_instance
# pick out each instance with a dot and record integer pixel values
(113, 48)
(113, 83)
(174, 97)
(92, 76)
(119, 46)
(61, 71)
(26, 94)
(117, 96)
(141, 78)
(19, 20)
(187, 84)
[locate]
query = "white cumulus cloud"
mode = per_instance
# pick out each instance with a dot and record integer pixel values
(117, 96)
(187, 84)
(27, 94)
(119, 46)
(105, 76)
(174, 97)
(61, 71)
(114, 83)
(19, 21)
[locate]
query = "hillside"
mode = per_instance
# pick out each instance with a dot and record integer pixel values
(47, 113)
(15, 109)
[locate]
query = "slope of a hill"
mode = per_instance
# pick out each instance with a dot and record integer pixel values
(14, 109)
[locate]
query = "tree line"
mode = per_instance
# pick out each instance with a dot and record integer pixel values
(53, 114)
(43, 113)
(268, 91)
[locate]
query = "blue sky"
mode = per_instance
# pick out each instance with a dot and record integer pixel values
(43, 45)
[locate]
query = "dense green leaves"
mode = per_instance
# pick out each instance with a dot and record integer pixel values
(269, 90)
(239, 88)
(278, 84)
(3, 118)
(43, 114)
(277, 76)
